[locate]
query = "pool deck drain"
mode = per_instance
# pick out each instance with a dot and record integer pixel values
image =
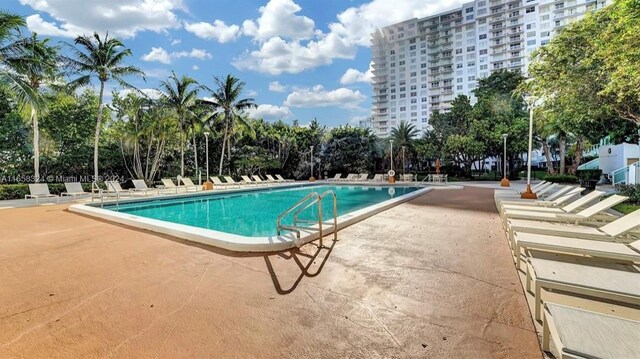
(429, 278)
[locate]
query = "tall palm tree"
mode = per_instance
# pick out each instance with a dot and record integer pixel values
(230, 110)
(35, 66)
(404, 135)
(101, 58)
(180, 94)
(11, 48)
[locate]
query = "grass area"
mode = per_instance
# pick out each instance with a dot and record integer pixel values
(626, 208)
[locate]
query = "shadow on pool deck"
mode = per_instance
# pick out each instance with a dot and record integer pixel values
(429, 278)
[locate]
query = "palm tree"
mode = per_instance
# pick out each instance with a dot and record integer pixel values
(11, 49)
(229, 108)
(102, 58)
(404, 135)
(33, 68)
(180, 94)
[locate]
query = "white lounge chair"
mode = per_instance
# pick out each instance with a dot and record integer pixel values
(218, 183)
(560, 201)
(188, 184)
(583, 215)
(249, 181)
(40, 190)
(362, 177)
(74, 189)
(575, 246)
(578, 333)
(377, 178)
(140, 186)
(259, 180)
(230, 180)
(568, 208)
(514, 193)
(350, 177)
(541, 192)
(113, 187)
(271, 179)
(283, 179)
(170, 186)
(552, 199)
(607, 281)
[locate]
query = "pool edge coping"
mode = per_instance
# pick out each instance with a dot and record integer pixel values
(234, 242)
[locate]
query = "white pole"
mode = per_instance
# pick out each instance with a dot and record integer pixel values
(311, 161)
(403, 165)
(206, 136)
(528, 193)
(530, 144)
(391, 142)
(504, 157)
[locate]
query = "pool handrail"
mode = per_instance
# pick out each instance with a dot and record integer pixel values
(317, 198)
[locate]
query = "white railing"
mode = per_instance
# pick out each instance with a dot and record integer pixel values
(309, 200)
(621, 175)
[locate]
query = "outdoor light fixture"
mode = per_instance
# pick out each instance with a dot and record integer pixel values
(505, 180)
(206, 136)
(528, 193)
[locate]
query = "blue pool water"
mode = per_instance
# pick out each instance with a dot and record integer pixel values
(254, 213)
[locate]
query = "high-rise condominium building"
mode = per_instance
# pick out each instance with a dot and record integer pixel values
(421, 65)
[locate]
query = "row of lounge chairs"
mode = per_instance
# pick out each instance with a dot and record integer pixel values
(39, 191)
(577, 246)
(355, 177)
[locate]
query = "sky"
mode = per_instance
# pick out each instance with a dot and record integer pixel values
(301, 59)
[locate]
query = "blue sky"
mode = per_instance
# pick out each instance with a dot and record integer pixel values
(300, 59)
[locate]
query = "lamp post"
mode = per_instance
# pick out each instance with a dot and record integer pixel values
(392, 178)
(311, 179)
(505, 180)
(403, 165)
(528, 193)
(206, 145)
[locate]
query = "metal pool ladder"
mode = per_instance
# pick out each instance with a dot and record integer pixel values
(309, 200)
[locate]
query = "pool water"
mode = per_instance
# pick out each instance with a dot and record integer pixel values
(254, 213)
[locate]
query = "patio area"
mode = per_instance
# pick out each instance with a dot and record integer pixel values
(429, 278)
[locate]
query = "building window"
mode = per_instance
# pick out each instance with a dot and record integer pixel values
(531, 9)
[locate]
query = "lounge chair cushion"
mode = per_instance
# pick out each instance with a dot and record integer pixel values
(593, 335)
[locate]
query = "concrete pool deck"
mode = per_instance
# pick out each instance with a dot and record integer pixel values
(431, 277)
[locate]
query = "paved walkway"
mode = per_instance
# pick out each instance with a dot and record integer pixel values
(431, 278)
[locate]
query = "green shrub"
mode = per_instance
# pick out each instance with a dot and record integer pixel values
(18, 191)
(585, 175)
(561, 178)
(630, 190)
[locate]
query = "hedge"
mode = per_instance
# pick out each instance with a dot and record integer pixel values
(561, 178)
(18, 191)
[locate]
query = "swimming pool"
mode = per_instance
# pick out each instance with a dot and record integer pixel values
(241, 219)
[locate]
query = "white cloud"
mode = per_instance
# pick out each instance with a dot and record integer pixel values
(277, 56)
(252, 93)
(122, 18)
(283, 51)
(275, 86)
(159, 54)
(195, 53)
(267, 111)
(319, 97)
(218, 30)
(175, 42)
(278, 18)
(195, 67)
(352, 76)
